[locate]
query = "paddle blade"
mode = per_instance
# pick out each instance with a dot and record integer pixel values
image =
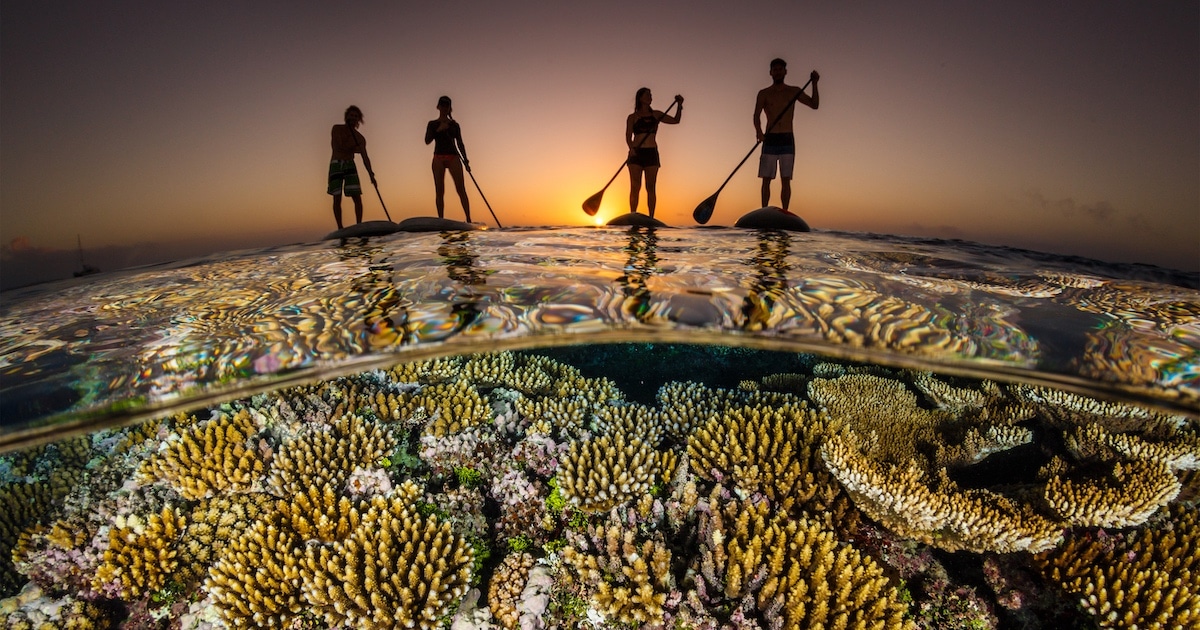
(592, 205)
(703, 212)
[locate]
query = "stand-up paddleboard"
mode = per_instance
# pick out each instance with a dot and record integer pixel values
(772, 218)
(633, 218)
(434, 224)
(366, 228)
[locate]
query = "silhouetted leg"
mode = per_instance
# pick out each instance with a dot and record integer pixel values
(651, 188)
(337, 210)
(357, 199)
(766, 192)
(456, 172)
(439, 187)
(785, 192)
(635, 186)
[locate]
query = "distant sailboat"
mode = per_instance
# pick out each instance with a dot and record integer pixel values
(85, 269)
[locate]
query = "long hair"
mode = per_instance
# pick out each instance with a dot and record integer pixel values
(637, 98)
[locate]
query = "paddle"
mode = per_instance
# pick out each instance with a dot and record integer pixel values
(468, 167)
(703, 212)
(592, 204)
(385, 212)
(354, 136)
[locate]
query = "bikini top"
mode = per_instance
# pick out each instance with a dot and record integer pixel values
(645, 124)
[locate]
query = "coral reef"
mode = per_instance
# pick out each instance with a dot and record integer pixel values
(943, 516)
(628, 580)
(769, 451)
(1144, 579)
(511, 490)
(791, 571)
(141, 556)
(396, 568)
(598, 474)
(209, 458)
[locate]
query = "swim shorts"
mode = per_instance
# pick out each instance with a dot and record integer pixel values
(644, 156)
(343, 177)
(778, 153)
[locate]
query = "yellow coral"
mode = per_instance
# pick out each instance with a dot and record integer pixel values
(772, 451)
(903, 500)
(603, 472)
(141, 556)
(504, 590)
(1151, 579)
(450, 407)
(1128, 495)
(329, 454)
(256, 582)
(883, 409)
(397, 568)
(209, 458)
(795, 570)
(628, 580)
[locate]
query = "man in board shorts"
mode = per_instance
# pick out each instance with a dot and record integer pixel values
(778, 142)
(343, 174)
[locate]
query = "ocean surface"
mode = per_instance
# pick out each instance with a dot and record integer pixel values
(604, 428)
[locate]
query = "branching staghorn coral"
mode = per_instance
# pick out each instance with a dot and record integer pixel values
(329, 454)
(631, 420)
(209, 458)
(902, 499)
(791, 571)
(141, 555)
(772, 451)
(567, 416)
(212, 524)
(450, 407)
(1147, 579)
(628, 581)
(598, 474)
(397, 568)
(257, 580)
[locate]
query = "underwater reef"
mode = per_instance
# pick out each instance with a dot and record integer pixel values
(512, 490)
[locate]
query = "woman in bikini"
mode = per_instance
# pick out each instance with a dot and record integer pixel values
(446, 136)
(640, 128)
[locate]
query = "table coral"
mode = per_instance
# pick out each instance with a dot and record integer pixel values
(902, 499)
(1128, 495)
(880, 407)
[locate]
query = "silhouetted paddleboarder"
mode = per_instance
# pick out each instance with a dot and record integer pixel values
(446, 136)
(641, 127)
(343, 174)
(778, 142)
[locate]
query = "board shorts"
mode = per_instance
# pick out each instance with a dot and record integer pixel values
(778, 154)
(343, 178)
(644, 157)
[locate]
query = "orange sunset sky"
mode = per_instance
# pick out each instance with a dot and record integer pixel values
(163, 129)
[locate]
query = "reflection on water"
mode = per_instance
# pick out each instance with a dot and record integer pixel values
(139, 343)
